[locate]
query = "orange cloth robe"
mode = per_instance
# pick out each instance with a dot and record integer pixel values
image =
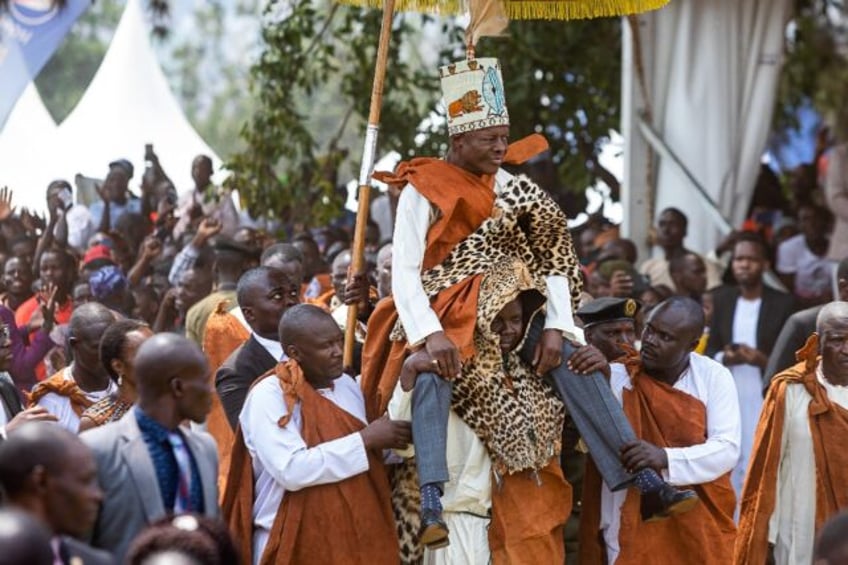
(63, 387)
(347, 523)
(665, 417)
(828, 427)
(224, 333)
(526, 527)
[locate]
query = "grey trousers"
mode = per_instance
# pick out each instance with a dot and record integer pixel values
(597, 414)
(431, 402)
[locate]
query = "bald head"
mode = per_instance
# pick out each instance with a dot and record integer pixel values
(301, 321)
(688, 310)
(163, 357)
(89, 316)
(49, 472)
(24, 540)
(34, 444)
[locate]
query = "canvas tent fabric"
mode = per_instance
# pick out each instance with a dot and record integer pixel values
(711, 73)
(128, 104)
(26, 147)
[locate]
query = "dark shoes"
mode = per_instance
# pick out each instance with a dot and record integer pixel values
(667, 502)
(434, 531)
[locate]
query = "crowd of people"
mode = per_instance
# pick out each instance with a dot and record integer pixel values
(173, 384)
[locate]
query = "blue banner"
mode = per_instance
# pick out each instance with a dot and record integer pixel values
(30, 32)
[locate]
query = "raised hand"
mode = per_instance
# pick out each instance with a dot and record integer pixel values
(151, 248)
(207, 229)
(6, 208)
(46, 298)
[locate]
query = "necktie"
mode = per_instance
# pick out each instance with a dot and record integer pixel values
(182, 502)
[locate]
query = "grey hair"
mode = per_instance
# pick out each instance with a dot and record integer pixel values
(831, 311)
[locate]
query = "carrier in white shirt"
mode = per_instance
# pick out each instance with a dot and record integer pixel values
(712, 384)
(282, 462)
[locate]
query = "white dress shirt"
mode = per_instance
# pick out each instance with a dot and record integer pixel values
(281, 460)
(793, 523)
(712, 384)
(272, 346)
(415, 215)
(749, 384)
(60, 406)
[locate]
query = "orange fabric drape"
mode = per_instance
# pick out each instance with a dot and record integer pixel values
(63, 387)
(349, 522)
(827, 421)
(464, 201)
(224, 333)
(528, 515)
(666, 417)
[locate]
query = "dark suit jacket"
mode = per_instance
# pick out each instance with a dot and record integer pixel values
(236, 375)
(776, 308)
(10, 400)
(792, 337)
(73, 551)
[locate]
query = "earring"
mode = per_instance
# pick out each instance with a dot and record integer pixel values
(120, 379)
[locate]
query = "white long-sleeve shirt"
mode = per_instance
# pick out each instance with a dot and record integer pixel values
(793, 523)
(414, 217)
(712, 384)
(282, 462)
(467, 498)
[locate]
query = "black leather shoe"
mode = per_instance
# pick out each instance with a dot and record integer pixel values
(434, 531)
(667, 502)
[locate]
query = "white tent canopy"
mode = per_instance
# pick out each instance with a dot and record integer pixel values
(704, 104)
(128, 104)
(26, 149)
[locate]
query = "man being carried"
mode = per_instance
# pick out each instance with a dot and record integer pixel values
(798, 476)
(683, 408)
(496, 416)
(306, 464)
(456, 217)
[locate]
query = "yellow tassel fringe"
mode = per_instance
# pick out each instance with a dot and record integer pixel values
(528, 9)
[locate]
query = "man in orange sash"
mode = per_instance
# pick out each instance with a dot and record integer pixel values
(684, 410)
(798, 475)
(82, 383)
(307, 482)
(455, 218)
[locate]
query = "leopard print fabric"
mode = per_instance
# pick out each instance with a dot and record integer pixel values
(515, 414)
(525, 224)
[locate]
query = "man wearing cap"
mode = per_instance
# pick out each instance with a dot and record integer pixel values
(231, 260)
(449, 209)
(114, 195)
(608, 323)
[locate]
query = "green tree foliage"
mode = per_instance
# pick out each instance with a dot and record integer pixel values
(316, 69)
(562, 80)
(816, 66)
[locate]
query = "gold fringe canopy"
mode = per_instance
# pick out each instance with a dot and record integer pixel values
(528, 9)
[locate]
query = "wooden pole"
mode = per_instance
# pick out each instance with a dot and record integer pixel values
(369, 150)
